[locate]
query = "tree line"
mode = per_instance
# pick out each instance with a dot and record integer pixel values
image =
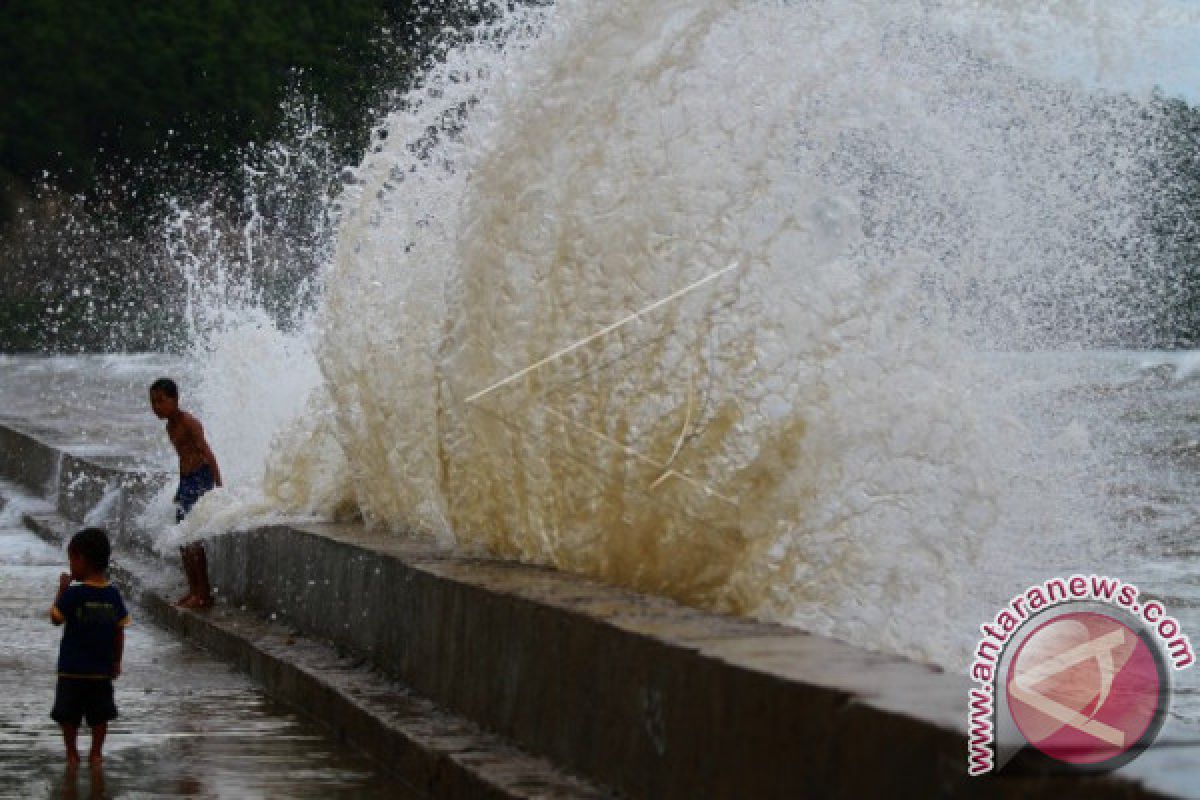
(95, 91)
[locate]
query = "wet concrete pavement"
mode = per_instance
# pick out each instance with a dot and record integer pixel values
(190, 726)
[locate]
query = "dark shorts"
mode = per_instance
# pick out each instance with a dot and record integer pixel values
(191, 488)
(79, 698)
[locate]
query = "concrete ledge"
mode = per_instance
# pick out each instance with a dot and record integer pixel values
(652, 698)
(638, 693)
(25, 460)
(113, 493)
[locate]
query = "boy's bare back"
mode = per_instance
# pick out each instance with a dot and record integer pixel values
(187, 436)
(184, 430)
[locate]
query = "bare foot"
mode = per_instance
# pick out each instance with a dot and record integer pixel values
(184, 602)
(196, 602)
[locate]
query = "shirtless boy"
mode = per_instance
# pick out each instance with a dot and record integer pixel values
(198, 473)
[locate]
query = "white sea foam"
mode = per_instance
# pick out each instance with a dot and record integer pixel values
(1183, 365)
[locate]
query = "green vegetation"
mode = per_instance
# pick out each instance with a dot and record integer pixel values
(93, 91)
(113, 111)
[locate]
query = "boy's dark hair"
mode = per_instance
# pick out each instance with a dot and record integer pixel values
(92, 544)
(167, 387)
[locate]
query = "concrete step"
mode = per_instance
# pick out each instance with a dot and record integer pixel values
(433, 752)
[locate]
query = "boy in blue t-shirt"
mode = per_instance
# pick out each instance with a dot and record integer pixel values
(89, 658)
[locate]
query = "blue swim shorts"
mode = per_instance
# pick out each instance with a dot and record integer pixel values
(192, 487)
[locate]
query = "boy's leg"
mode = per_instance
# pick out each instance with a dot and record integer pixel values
(99, 709)
(195, 563)
(205, 591)
(96, 757)
(201, 595)
(185, 553)
(70, 739)
(181, 508)
(68, 713)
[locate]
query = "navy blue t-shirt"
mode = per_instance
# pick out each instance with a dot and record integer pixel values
(92, 613)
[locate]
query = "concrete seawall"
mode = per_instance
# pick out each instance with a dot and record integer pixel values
(76, 484)
(632, 692)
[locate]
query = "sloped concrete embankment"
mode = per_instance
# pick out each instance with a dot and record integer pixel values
(76, 485)
(632, 692)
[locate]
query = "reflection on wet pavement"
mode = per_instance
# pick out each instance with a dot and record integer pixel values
(190, 725)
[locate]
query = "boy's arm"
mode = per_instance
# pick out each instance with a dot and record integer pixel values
(119, 637)
(197, 431)
(118, 652)
(56, 615)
